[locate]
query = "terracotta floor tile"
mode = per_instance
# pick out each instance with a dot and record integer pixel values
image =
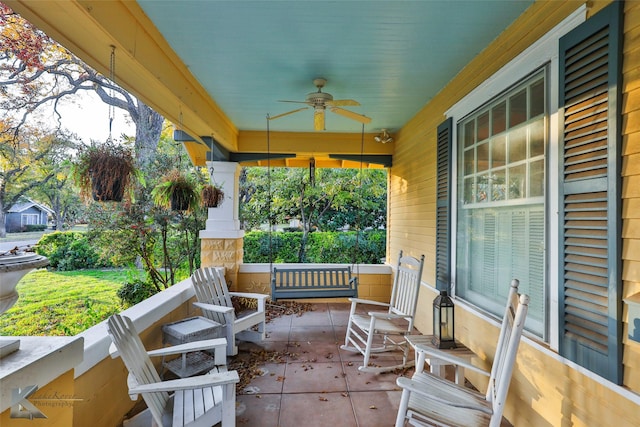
(314, 352)
(376, 408)
(271, 380)
(367, 381)
(312, 334)
(312, 318)
(316, 410)
(314, 377)
(258, 410)
(275, 333)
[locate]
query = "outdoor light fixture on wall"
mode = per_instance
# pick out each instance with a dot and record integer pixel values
(443, 325)
(384, 137)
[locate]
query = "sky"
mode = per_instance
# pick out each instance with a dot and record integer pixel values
(88, 117)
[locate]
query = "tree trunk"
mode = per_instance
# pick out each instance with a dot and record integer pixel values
(3, 219)
(148, 130)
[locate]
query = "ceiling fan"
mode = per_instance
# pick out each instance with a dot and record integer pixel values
(320, 101)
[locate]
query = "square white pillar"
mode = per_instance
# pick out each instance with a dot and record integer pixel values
(223, 221)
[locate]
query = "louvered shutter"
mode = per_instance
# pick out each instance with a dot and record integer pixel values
(443, 206)
(590, 243)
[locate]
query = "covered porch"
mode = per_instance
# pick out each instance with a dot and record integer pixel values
(577, 213)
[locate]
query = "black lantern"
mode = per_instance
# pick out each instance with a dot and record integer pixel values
(443, 325)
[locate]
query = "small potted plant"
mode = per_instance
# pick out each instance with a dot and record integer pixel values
(104, 172)
(176, 191)
(212, 196)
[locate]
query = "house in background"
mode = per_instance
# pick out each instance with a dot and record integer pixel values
(26, 212)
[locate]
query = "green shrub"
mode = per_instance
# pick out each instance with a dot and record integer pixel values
(69, 250)
(34, 227)
(135, 291)
(368, 247)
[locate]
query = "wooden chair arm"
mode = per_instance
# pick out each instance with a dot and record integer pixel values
(213, 307)
(447, 394)
(207, 380)
(387, 316)
(189, 347)
(365, 301)
(444, 355)
(215, 344)
(249, 295)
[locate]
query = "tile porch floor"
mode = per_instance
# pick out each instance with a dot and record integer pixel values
(318, 384)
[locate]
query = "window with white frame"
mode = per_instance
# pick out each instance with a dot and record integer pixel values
(501, 203)
(30, 219)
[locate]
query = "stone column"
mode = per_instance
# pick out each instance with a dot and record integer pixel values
(222, 239)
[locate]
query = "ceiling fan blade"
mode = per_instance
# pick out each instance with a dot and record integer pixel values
(287, 113)
(318, 119)
(351, 115)
(343, 103)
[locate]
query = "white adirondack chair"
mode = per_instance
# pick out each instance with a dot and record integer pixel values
(214, 299)
(429, 400)
(391, 325)
(203, 400)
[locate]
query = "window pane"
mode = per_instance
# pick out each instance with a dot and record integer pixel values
(483, 126)
(518, 145)
(483, 189)
(518, 108)
(483, 157)
(499, 118)
(468, 190)
(498, 186)
(498, 152)
(536, 181)
(536, 139)
(469, 162)
(469, 133)
(537, 99)
(517, 179)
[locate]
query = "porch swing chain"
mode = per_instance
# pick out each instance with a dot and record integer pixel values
(270, 303)
(269, 195)
(358, 218)
(112, 75)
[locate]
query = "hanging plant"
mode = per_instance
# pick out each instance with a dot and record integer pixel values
(212, 196)
(104, 172)
(177, 191)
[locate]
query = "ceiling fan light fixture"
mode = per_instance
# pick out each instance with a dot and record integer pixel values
(318, 118)
(383, 137)
(319, 101)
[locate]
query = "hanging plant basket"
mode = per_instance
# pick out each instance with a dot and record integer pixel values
(179, 202)
(104, 172)
(212, 196)
(177, 192)
(106, 191)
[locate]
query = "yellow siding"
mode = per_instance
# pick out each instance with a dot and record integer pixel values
(545, 390)
(631, 179)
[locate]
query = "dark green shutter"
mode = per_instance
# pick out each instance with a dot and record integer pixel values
(590, 200)
(443, 206)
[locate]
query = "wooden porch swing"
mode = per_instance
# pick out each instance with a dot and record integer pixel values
(311, 282)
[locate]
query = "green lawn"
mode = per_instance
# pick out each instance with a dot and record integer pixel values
(63, 303)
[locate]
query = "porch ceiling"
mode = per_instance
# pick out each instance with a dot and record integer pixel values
(217, 68)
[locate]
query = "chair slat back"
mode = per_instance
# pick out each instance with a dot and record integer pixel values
(211, 288)
(135, 358)
(406, 286)
(507, 348)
